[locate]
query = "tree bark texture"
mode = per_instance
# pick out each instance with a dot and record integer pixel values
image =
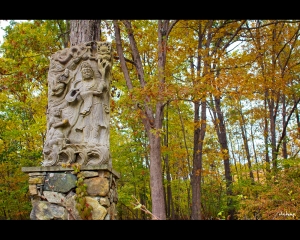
(199, 135)
(84, 31)
(153, 116)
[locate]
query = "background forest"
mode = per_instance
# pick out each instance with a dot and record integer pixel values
(220, 97)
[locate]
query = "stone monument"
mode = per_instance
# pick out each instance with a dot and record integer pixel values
(78, 106)
(78, 115)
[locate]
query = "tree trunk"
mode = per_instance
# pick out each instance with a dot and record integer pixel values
(254, 151)
(153, 116)
(246, 145)
(297, 117)
(200, 130)
(284, 144)
(273, 106)
(185, 140)
(199, 135)
(156, 181)
(169, 200)
(233, 157)
(266, 135)
(272, 117)
(221, 133)
(84, 31)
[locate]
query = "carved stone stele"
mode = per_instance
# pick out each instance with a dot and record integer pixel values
(78, 105)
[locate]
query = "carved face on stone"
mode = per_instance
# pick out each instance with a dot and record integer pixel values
(87, 71)
(104, 52)
(57, 112)
(103, 49)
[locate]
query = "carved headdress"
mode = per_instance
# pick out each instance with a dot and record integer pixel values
(85, 64)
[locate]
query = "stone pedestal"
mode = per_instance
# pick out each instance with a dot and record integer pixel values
(54, 192)
(76, 180)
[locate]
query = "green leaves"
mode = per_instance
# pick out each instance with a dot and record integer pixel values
(138, 206)
(251, 83)
(24, 67)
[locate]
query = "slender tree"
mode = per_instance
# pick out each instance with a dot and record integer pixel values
(152, 116)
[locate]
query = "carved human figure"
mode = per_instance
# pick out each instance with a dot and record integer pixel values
(90, 87)
(61, 83)
(90, 91)
(78, 100)
(55, 136)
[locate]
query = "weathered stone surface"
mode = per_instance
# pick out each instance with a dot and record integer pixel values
(36, 180)
(54, 197)
(99, 212)
(78, 112)
(112, 211)
(113, 183)
(104, 201)
(70, 205)
(79, 105)
(33, 189)
(107, 217)
(111, 195)
(43, 210)
(104, 174)
(36, 174)
(115, 196)
(116, 174)
(64, 169)
(70, 194)
(59, 182)
(88, 174)
(51, 204)
(35, 198)
(97, 186)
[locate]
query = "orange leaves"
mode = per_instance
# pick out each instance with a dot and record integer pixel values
(112, 105)
(206, 172)
(279, 198)
(152, 93)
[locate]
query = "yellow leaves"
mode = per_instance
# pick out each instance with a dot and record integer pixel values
(197, 124)
(157, 132)
(2, 147)
(205, 172)
(65, 165)
(217, 121)
(224, 151)
(164, 149)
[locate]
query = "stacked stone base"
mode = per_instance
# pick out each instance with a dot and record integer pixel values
(53, 192)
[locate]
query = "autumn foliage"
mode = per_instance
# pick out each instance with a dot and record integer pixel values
(227, 97)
